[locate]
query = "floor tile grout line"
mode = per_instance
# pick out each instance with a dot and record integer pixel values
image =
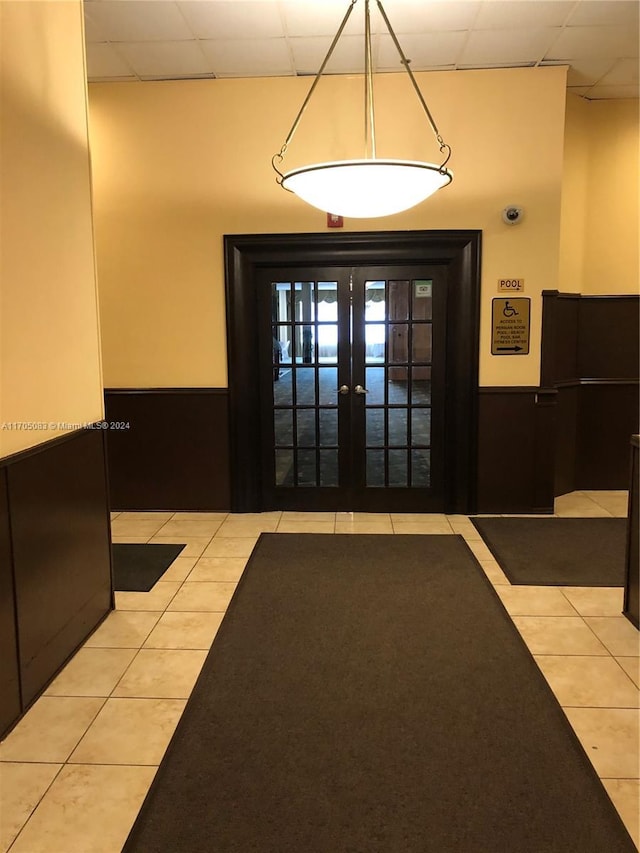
(61, 769)
(82, 737)
(40, 799)
(600, 640)
(165, 610)
(112, 764)
(621, 778)
(598, 504)
(574, 654)
(140, 648)
(619, 665)
(571, 604)
(599, 707)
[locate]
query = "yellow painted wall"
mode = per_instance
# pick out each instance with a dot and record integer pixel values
(50, 348)
(611, 257)
(599, 223)
(179, 164)
(573, 219)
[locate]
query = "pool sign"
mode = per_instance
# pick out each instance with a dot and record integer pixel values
(510, 285)
(510, 323)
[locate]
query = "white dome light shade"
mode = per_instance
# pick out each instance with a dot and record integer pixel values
(366, 188)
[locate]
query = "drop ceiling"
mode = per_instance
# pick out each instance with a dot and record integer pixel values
(186, 39)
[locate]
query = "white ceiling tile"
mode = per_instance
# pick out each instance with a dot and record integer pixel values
(413, 16)
(347, 57)
(609, 92)
(161, 59)
(605, 13)
(231, 19)
(587, 72)
(597, 39)
(139, 20)
(220, 75)
(623, 73)
(522, 13)
(248, 57)
(594, 43)
(93, 32)
(507, 46)
(320, 19)
(584, 72)
(425, 51)
(103, 62)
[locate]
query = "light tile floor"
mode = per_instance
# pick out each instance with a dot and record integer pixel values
(76, 769)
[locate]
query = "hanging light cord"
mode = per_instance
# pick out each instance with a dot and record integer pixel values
(369, 110)
(370, 140)
(444, 148)
(280, 155)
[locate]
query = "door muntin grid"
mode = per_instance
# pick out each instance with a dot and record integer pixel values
(305, 382)
(386, 341)
(398, 319)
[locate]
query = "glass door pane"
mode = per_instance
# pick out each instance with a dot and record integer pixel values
(394, 354)
(307, 314)
(356, 367)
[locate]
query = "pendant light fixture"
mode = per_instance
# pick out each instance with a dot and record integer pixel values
(371, 186)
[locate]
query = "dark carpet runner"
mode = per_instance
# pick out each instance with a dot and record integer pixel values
(137, 567)
(369, 694)
(558, 551)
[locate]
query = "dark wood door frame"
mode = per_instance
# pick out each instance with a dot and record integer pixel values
(245, 254)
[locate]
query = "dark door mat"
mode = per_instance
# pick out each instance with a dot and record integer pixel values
(558, 551)
(370, 694)
(137, 567)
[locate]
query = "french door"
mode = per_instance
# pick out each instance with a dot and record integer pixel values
(352, 364)
(299, 304)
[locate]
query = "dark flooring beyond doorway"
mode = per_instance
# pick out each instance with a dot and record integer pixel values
(409, 404)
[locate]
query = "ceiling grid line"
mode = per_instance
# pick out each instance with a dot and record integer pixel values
(193, 39)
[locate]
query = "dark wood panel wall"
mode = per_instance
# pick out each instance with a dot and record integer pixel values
(608, 339)
(168, 448)
(631, 606)
(591, 356)
(10, 698)
(516, 428)
(573, 431)
(55, 559)
(570, 433)
(564, 454)
(607, 418)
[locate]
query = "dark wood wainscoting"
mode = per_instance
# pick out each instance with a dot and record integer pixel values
(566, 438)
(168, 448)
(607, 418)
(631, 607)
(608, 338)
(10, 702)
(516, 430)
(590, 354)
(56, 560)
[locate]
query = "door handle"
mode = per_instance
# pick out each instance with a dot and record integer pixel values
(360, 390)
(343, 389)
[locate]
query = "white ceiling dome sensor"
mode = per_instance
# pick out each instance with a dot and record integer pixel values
(512, 215)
